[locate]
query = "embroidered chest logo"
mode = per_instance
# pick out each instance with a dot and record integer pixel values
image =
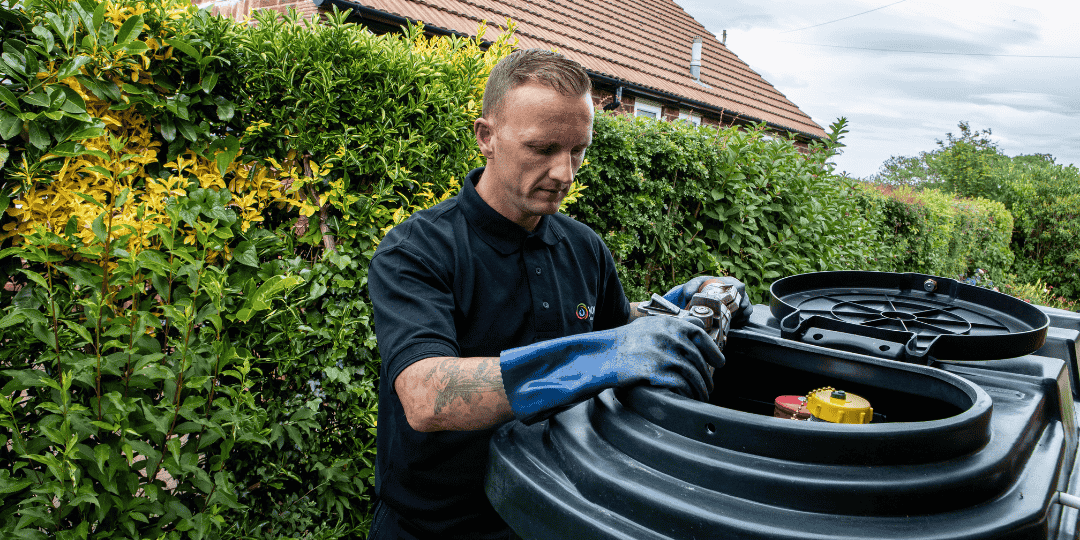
(585, 312)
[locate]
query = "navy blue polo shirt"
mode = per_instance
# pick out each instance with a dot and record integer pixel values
(461, 280)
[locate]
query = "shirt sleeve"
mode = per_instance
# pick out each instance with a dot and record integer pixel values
(413, 305)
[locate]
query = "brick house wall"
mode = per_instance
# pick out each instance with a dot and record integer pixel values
(602, 97)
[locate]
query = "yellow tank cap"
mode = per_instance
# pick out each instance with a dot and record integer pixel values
(838, 407)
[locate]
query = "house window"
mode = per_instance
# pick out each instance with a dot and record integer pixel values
(644, 107)
(690, 117)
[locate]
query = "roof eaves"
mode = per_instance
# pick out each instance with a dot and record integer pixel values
(364, 12)
(392, 19)
(669, 97)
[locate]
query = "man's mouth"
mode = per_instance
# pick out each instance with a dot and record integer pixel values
(557, 191)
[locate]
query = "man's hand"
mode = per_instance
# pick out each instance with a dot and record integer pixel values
(546, 377)
(680, 295)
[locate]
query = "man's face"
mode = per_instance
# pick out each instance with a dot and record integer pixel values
(534, 145)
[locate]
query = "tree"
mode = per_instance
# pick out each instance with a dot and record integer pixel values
(911, 171)
(968, 164)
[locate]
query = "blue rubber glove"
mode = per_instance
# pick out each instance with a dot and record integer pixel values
(544, 378)
(680, 295)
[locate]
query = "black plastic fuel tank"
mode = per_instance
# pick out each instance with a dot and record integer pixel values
(956, 449)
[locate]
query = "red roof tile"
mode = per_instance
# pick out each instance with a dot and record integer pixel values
(642, 42)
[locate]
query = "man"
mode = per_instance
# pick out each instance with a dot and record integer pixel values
(492, 306)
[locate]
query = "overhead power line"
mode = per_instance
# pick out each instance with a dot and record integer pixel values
(933, 52)
(843, 18)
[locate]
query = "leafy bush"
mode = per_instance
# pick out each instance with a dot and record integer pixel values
(1045, 200)
(1040, 194)
(125, 390)
(128, 389)
(672, 201)
(965, 165)
(170, 178)
(935, 233)
(390, 113)
(1032, 293)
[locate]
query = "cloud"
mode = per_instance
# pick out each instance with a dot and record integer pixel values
(1027, 101)
(900, 103)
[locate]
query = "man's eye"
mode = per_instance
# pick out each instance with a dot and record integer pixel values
(545, 150)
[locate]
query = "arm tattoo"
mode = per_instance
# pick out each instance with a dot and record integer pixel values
(458, 382)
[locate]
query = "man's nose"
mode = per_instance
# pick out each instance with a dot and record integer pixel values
(562, 170)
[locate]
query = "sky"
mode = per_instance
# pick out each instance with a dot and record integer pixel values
(906, 73)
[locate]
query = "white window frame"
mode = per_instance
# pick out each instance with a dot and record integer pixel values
(648, 109)
(689, 116)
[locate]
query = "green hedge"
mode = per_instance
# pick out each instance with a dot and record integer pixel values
(673, 201)
(189, 208)
(1044, 199)
(936, 233)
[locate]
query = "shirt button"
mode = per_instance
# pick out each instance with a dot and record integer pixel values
(538, 270)
(545, 304)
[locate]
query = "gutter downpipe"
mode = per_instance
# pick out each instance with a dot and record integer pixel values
(615, 102)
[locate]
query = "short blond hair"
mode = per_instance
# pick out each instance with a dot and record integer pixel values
(534, 65)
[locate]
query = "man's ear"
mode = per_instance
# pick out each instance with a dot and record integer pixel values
(484, 130)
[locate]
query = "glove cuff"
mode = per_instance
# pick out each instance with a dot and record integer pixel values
(547, 377)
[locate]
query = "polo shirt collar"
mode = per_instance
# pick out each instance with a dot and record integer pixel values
(500, 233)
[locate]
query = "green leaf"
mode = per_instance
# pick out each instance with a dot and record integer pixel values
(129, 30)
(38, 99)
(46, 37)
(78, 329)
(44, 334)
(38, 136)
(100, 170)
(246, 254)
(36, 278)
(184, 47)
(65, 31)
(99, 18)
(10, 125)
(270, 290)
(15, 65)
(132, 90)
(168, 129)
(102, 453)
(225, 156)
(9, 99)
(11, 485)
(135, 48)
(93, 85)
(209, 82)
(29, 378)
(225, 108)
(68, 149)
(71, 67)
(98, 226)
(89, 133)
(186, 129)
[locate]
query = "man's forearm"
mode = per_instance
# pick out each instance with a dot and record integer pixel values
(453, 394)
(635, 312)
